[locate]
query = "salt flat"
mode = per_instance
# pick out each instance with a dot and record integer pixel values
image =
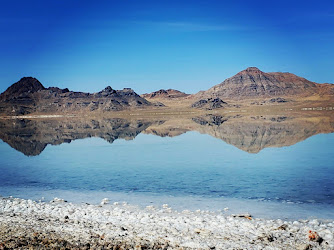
(27, 223)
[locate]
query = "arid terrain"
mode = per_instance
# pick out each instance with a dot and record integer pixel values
(249, 91)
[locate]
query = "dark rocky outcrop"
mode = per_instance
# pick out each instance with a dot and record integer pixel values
(29, 96)
(158, 104)
(162, 93)
(278, 100)
(210, 103)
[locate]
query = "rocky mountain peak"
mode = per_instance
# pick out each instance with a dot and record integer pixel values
(28, 84)
(251, 70)
(24, 85)
(107, 89)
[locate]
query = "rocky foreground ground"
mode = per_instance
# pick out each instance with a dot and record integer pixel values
(26, 224)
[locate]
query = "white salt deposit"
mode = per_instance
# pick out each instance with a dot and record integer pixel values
(263, 209)
(183, 230)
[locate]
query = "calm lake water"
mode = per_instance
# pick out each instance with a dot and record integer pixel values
(186, 167)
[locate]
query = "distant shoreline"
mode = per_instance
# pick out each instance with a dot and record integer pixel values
(265, 110)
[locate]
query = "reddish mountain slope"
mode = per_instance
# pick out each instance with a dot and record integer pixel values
(252, 83)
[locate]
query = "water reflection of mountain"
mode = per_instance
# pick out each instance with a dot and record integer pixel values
(254, 133)
(248, 133)
(31, 136)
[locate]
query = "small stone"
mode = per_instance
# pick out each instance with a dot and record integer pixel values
(104, 201)
(282, 227)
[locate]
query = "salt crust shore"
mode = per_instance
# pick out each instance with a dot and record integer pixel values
(58, 224)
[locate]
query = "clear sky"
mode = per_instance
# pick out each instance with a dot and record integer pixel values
(149, 45)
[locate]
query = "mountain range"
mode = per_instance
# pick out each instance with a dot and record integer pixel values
(28, 95)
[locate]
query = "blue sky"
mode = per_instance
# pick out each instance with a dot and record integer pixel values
(149, 45)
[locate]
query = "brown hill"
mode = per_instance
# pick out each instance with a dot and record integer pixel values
(253, 83)
(29, 96)
(162, 93)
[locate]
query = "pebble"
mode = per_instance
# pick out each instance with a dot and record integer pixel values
(104, 201)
